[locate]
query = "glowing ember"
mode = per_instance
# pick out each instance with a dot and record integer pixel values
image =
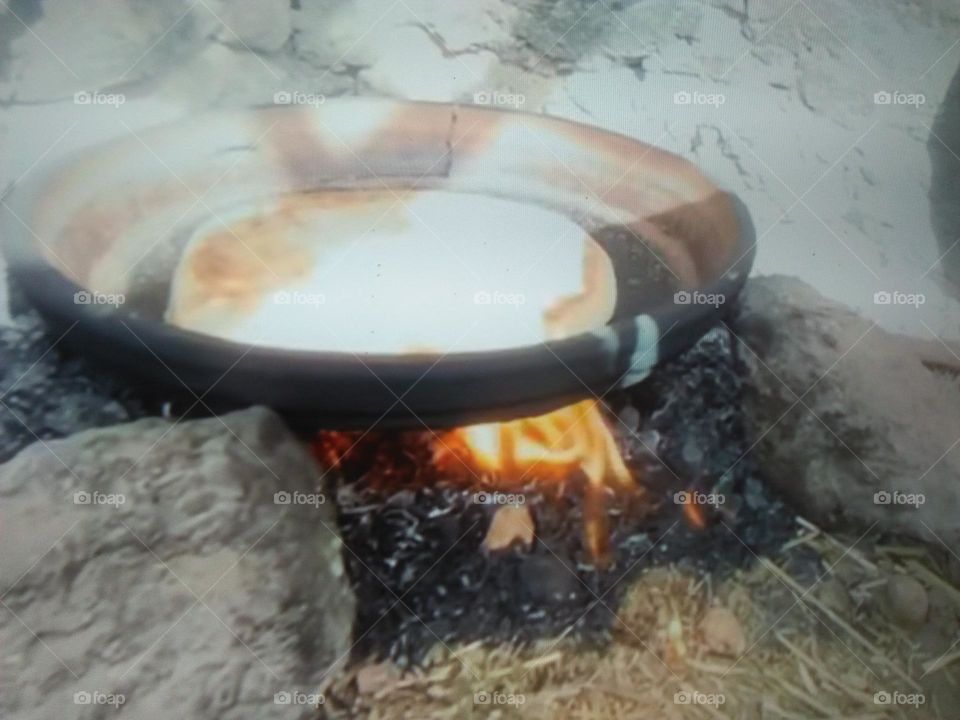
(694, 515)
(555, 446)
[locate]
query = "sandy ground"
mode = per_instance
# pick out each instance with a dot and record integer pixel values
(776, 100)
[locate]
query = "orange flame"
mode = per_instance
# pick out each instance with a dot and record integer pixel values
(554, 445)
(694, 515)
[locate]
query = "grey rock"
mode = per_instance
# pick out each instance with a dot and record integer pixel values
(5, 318)
(560, 33)
(945, 183)
(174, 578)
(102, 44)
(330, 33)
(856, 426)
(939, 632)
(630, 417)
(906, 600)
(258, 25)
(834, 594)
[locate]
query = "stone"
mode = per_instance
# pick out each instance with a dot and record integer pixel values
(722, 632)
(560, 33)
(906, 600)
(945, 183)
(838, 92)
(100, 44)
(855, 426)
(330, 33)
(225, 76)
(409, 65)
(639, 29)
(377, 678)
(630, 417)
(936, 637)
(257, 25)
(835, 596)
(6, 320)
(164, 569)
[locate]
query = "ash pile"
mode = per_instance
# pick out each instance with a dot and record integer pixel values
(48, 392)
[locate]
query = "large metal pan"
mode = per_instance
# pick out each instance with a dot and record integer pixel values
(97, 240)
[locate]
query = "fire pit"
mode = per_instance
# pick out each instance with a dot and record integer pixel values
(468, 551)
(374, 261)
(478, 291)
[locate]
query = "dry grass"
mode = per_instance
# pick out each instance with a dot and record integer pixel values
(821, 652)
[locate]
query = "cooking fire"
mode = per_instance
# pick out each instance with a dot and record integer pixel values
(560, 447)
(576, 498)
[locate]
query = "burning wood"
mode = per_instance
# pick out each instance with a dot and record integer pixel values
(511, 525)
(693, 513)
(555, 447)
(570, 445)
(548, 446)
